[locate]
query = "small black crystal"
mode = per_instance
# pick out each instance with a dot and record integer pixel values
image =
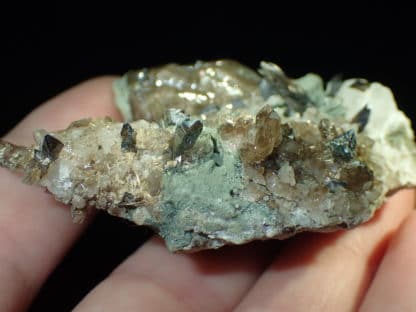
(362, 118)
(128, 138)
(51, 147)
(344, 145)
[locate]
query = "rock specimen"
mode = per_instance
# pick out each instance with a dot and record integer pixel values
(214, 153)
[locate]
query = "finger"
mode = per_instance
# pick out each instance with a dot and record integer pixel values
(328, 272)
(393, 288)
(153, 279)
(92, 98)
(36, 231)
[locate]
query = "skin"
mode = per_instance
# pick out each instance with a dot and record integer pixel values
(370, 268)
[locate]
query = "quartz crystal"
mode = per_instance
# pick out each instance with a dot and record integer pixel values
(215, 153)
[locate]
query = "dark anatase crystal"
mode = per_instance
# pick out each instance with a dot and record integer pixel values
(360, 84)
(362, 118)
(128, 142)
(51, 147)
(186, 135)
(343, 146)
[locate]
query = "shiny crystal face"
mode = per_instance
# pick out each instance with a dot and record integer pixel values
(216, 153)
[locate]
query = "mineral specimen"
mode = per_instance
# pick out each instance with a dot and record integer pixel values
(214, 153)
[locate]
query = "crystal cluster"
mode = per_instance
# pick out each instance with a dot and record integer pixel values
(215, 153)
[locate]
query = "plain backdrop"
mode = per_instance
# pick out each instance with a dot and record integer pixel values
(47, 50)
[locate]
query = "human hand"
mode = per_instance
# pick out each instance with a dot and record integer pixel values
(371, 268)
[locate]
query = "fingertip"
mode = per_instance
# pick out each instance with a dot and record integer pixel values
(395, 281)
(90, 99)
(36, 231)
